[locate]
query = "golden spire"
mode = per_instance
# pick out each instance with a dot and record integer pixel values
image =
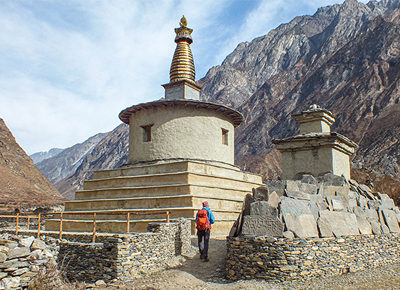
(182, 67)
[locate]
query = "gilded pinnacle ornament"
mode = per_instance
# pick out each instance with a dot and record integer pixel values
(182, 67)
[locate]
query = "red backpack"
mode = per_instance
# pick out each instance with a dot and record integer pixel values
(203, 223)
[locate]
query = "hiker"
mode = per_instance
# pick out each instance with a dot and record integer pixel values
(204, 220)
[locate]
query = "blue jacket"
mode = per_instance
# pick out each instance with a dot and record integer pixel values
(210, 215)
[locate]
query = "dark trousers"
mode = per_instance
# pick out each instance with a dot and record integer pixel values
(203, 238)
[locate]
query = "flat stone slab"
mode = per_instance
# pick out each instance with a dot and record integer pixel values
(297, 194)
(262, 226)
(293, 185)
(374, 204)
(376, 227)
(18, 253)
(372, 215)
(308, 188)
(336, 223)
(391, 220)
(302, 225)
(387, 203)
(274, 199)
(335, 202)
(263, 208)
(291, 205)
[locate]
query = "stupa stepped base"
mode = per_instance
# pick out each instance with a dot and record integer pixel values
(177, 187)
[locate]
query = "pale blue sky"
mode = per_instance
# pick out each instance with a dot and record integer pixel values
(67, 68)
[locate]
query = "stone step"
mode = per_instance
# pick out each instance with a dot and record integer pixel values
(163, 190)
(155, 202)
(169, 179)
(209, 168)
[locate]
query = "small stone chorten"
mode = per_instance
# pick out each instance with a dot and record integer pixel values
(316, 150)
(181, 153)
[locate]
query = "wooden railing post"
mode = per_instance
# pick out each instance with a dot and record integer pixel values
(61, 222)
(16, 226)
(167, 216)
(94, 228)
(27, 225)
(127, 223)
(38, 229)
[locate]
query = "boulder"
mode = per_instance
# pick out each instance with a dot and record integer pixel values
(290, 205)
(391, 220)
(297, 194)
(309, 179)
(263, 208)
(314, 209)
(332, 179)
(308, 188)
(387, 203)
(335, 202)
(363, 224)
(293, 185)
(288, 235)
(260, 193)
(276, 185)
(262, 226)
(3, 257)
(246, 206)
(337, 223)
(376, 227)
(362, 202)
(302, 225)
(374, 204)
(274, 199)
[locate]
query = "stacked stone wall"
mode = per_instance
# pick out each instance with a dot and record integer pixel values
(126, 256)
(280, 259)
(24, 259)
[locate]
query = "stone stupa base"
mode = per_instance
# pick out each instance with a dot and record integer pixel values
(178, 187)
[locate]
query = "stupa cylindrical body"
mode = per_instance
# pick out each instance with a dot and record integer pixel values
(167, 130)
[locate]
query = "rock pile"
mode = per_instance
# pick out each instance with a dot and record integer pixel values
(324, 207)
(23, 258)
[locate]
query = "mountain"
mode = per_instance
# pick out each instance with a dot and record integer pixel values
(22, 185)
(111, 152)
(40, 156)
(344, 58)
(65, 163)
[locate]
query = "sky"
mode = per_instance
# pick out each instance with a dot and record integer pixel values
(67, 68)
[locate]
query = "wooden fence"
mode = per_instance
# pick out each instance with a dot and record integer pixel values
(40, 217)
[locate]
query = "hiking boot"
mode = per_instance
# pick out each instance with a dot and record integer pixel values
(206, 259)
(201, 257)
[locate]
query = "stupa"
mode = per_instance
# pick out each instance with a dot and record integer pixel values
(316, 150)
(181, 153)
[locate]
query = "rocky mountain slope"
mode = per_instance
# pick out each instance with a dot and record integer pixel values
(22, 185)
(110, 152)
(344, 58)
(65, 163)
(40, 156)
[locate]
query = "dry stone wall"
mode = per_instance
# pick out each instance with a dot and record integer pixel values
(301, 229)
(280, 259)
(24, 259)
(127, 256)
